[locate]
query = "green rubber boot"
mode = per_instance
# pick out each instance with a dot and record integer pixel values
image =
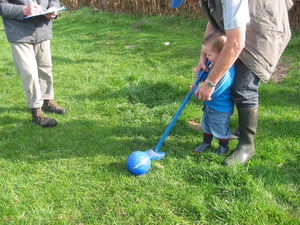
(248, 120)
(235, 134)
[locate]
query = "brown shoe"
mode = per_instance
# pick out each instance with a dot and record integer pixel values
(52, 107)
(40, 118)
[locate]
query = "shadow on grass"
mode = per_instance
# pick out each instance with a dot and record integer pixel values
(8, 120)
(24, 141)
(150, 93)
(77, 138)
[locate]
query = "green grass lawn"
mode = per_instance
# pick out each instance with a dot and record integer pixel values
(122, 86)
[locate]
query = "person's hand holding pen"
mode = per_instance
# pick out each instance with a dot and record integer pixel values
(32, 9)
(35, 8)
(39, 3)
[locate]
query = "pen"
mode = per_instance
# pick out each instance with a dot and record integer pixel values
(35, 2)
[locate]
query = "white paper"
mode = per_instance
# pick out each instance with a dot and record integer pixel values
(47, 12)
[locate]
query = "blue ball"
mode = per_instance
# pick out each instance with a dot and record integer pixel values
(138, 163)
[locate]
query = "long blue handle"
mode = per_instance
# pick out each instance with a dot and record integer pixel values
(189, 94)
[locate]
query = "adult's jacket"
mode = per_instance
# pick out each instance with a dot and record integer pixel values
(267, 34)
(32, 30)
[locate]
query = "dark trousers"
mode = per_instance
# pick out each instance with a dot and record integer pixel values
(245, 86)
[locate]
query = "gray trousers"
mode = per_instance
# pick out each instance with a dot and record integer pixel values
(34, 65)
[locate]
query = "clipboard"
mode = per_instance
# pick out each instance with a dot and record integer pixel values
(47, 12)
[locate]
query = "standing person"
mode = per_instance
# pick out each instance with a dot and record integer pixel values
(30, 45)
(218, 110)
(257, 33)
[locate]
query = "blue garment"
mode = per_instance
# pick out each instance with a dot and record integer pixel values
(221, 98)
(215, 122)
(218, 110)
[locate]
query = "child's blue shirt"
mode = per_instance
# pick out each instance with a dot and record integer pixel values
(221, 98)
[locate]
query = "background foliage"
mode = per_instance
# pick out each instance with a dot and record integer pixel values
(189, 8)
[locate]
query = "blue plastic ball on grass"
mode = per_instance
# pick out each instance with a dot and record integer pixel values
(138, 163)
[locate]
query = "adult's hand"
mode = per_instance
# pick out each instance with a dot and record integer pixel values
(204, 92)
(51, 16)
(203, 59)
(32, 9)
(201, 64)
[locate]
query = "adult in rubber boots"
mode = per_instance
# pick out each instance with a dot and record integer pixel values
(254, 48)
(245, 95)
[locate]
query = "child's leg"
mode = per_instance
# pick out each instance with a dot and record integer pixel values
(223, 146)
(219, 128)
(207, 138)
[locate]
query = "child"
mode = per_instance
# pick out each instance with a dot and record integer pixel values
(218, 110)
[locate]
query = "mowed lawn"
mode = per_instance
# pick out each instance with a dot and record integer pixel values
(122, 78)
